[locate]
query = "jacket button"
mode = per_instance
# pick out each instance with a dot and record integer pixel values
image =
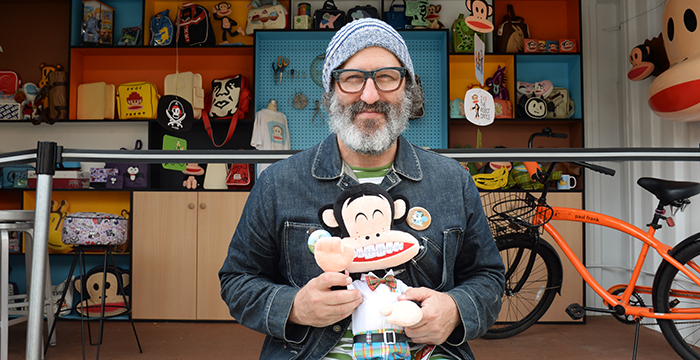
(337, 328)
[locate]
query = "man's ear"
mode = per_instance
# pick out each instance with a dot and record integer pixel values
(418, 108)
(400, 209)
(327, 218)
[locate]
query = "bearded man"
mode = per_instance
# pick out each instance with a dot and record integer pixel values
(270, 279)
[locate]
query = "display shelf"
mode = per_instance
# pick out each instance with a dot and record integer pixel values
(127, 13)
(515, 133)
(122, 65)
(113, 202)
(546, 19)
(563, 70)
(462, 73)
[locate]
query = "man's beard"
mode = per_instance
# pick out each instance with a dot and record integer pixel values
(368, 136)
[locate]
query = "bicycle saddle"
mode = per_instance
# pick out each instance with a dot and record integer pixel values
(668, 191)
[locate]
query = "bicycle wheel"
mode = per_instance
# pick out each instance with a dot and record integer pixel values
(671, 291)
(523, 306)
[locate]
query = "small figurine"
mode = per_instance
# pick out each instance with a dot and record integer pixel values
(434, 18)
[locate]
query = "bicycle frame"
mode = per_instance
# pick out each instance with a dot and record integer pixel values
(585, 216)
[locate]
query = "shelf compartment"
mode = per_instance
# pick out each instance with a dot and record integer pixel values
(239, 14)
(546, 19)
(113, 202)
(462, 73)
(514, 134)
(127, 13)
(118, 65)
(562, 70)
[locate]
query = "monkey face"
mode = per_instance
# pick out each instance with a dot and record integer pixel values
(478, 20)
(365, 214)
(376, 246)
(673, 94)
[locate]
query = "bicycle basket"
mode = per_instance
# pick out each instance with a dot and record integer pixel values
(514, 212)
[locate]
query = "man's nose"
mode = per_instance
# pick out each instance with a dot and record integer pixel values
(370, 94)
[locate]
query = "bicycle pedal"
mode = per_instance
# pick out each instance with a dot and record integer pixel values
(576, 311)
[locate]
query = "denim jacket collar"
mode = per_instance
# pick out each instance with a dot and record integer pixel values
(328, 164)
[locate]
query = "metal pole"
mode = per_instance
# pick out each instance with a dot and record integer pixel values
(46, 163)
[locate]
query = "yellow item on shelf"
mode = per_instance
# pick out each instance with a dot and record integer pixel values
(492, 181)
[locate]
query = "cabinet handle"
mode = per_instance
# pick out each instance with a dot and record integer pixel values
(190, 205)
(202, 206)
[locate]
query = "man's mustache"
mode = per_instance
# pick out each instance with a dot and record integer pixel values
(360, 106)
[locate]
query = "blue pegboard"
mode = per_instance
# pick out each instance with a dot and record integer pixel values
(428, 50)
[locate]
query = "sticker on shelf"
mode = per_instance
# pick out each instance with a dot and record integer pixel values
(479, 107)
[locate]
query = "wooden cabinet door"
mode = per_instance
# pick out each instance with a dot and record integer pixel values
(218, 217)
(164, 262)
(572, 232)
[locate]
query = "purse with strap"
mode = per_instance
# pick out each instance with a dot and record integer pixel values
(512, 33)
(396, 16)
(233, 92)
(329, 17)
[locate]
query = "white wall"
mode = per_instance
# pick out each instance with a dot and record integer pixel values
(617, 115)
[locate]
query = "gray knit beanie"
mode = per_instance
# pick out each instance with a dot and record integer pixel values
(360, 34)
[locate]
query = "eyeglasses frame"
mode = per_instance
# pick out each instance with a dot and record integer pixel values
(369, 75)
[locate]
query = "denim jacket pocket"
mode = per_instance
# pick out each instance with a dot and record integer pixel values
(431, 262)
(299, 262)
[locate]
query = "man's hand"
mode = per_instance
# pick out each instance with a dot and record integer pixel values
(318, 306)
(440, 316)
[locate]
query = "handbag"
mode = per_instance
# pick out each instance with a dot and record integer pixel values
(95, 101)
(137, 100)
(239, 175)
(229, 99)
(463, 36)
(396, 16)
(132, 175)
(559, 104)
(188, 86)
(503, 109)
(194, 26)
(512, 33)
(162, 29)
(363, 12)
(329, 17)
(266, 14)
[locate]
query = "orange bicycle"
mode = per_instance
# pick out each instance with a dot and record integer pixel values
(534, 270)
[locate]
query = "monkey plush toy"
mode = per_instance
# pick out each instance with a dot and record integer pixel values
(358, 238)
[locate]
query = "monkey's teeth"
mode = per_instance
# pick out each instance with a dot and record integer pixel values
(381, 249)
(378, 250)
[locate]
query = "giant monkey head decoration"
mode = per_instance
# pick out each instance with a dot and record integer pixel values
(673, 95)
(362, 240)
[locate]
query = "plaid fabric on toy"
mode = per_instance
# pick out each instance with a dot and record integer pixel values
(381, 350)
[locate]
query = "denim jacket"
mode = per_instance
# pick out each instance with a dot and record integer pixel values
(269, 259)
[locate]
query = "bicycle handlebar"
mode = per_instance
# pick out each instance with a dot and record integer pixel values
(542, 176)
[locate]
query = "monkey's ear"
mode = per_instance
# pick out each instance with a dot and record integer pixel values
(327, 217)
(400, 208)
(468, 3)
(490, 12)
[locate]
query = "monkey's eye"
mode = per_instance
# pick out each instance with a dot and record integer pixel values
(377, 235)
(367, 237)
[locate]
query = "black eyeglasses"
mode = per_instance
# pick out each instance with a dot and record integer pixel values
(353, 81)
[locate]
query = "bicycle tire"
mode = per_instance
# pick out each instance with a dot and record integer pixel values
(682, 335)
(519, 309)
